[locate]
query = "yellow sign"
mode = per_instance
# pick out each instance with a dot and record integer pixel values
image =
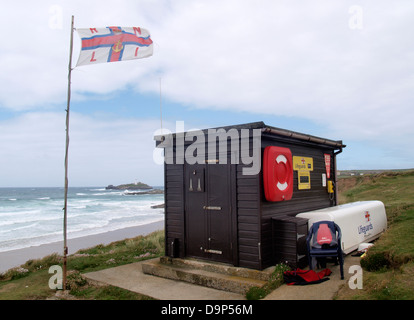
(303, 165)
(303, 180)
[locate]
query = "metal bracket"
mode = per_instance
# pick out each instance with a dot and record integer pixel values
(298, 236)
(213, 251)
(300, 256)
(211, 208)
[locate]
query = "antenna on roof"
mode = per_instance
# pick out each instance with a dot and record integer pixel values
(160, 105)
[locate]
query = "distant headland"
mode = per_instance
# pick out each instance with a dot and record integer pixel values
(129, 186)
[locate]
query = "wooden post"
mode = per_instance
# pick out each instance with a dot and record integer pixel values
(65, 247)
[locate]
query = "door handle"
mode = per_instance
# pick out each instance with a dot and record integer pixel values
(211, 208)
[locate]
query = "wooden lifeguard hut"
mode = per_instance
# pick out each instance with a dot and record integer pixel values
(233, 197)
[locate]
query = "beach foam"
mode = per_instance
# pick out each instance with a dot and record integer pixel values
(36, 216)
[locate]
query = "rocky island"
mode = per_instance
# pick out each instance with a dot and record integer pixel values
(129, 186)
(136, 188)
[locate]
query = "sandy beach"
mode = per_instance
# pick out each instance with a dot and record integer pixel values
(14, 258)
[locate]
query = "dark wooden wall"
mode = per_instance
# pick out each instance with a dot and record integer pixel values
(248, 216)
(254, 213)
(174, 207)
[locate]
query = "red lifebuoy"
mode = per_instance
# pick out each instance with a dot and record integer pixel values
(277, 173)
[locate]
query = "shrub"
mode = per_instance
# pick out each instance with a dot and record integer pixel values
(375, 261)
(75, 280)
(43, 263)
(14, 273)
(256, 293)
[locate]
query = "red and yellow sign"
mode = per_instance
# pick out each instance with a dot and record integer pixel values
(302, 163)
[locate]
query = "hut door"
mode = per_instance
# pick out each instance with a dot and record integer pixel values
(208, 212)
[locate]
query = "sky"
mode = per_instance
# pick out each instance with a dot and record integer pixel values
(342, 70)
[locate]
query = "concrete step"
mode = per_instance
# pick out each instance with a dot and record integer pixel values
(204, 274)
(218, 267)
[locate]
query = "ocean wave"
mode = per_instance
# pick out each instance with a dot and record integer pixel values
(26, 242)
(78, 207)
(8, 221)
(73, 202)
(119, 193)
(112, 227)
(18, 228)
(35, 216)
(12, 214)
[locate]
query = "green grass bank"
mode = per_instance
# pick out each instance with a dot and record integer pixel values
(388, 267)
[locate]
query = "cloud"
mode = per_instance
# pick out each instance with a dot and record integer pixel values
(102, 150)
(294, 60)
(268, 57)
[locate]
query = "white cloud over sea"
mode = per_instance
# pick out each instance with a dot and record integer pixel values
(103, 151)
(346, 66)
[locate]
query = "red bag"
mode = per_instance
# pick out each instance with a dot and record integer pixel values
(304, 277)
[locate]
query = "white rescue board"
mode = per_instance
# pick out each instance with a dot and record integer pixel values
(360, 222)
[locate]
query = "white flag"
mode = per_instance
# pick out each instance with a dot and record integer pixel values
(113, 44)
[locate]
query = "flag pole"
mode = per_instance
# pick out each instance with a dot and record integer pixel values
(65, 246)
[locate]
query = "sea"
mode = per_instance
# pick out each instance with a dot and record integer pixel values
(34, 216)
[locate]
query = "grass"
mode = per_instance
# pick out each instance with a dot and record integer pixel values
(389, 264)
(275, 281)
(118, 253)
(394, 189)
(33, 286)
(30, 281)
